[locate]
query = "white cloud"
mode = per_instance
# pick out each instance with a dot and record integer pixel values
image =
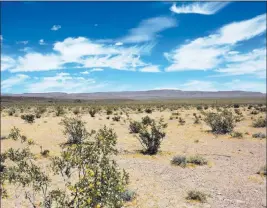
(150, 68)
(253, 62)
(7, 62)
(64, 82)
(1, 38)
(148, 29)
(37, 62)
(42, 42)
(118, 43)
(56, 27)
(18, 79)
(26, 49)
(97, 69)
(24, 42)
(85, 72)
(209, 52)
(206, 8)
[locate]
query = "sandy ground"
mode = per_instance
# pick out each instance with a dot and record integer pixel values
(229, 179)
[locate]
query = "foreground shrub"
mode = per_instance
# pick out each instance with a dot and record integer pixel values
(197, 160)
(59, 111)
(259, 123)
(147, 120)
(109, 111)
(220, 123)
(259, 135)
(74, 129)
(11, 111)
(76, 111)
(151, 136)
(196, 196)
(28, 118)
(90, 178)
(262, 171)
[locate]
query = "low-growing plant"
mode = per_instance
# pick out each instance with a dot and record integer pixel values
(44, 153)
(236, 105)
(109, 111)
(128, 195)
(197, 160)
(179, 160)
(237, 134)
(220, 123)
(196, 196)
(259, 135)
(181, 121)
(260, 123)
(29, 118)
(262, 170)
(76, 111)
(11, 111)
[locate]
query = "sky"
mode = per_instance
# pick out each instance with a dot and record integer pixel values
(79, 47)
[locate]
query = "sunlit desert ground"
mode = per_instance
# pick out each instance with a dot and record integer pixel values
(229, 179)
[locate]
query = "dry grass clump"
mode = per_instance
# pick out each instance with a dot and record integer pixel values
(183, 161)
(196, 196)
(260, 123)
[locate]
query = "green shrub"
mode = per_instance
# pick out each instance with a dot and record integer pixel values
(28, 118)
(259, 123)
(135, 127)
(259, 135)
(236, 105)
(220, 123)
(147, 120)
(199, 107)
(76, 111)
(237, 134)
(74, 129)
(196, 196)
(151, 136)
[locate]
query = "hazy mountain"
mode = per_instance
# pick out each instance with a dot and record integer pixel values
(143, 95)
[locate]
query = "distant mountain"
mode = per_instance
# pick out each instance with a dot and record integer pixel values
(144, 95)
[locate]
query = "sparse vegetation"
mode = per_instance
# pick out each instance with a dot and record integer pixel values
(29, 118)
(260, 123)
(92, 112)
(237, 134)
(259, 135)
(262, 170)
(183, 161)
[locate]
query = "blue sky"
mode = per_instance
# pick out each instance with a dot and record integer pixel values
(117, 46)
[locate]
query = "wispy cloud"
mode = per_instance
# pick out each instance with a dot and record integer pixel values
(24, 42)
(81, 52)
(148, 29)
(18, 79)
(97, 70)
(56, 27)
(209, 52)
(150, 68)
(7, 62)
(205, 8)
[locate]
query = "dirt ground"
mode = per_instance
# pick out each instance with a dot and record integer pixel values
(229, 179)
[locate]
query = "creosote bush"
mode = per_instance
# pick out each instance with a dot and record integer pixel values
(220, 123)
(116, 118)
(74, 129)
(151, 135)
(148, 110)
(59, 111)
(135, 127)
(11, 111)
(29, 118)
(196, 196)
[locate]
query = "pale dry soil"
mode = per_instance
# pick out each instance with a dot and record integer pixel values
(229, 179)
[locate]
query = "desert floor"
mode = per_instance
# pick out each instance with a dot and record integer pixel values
(229, 179)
